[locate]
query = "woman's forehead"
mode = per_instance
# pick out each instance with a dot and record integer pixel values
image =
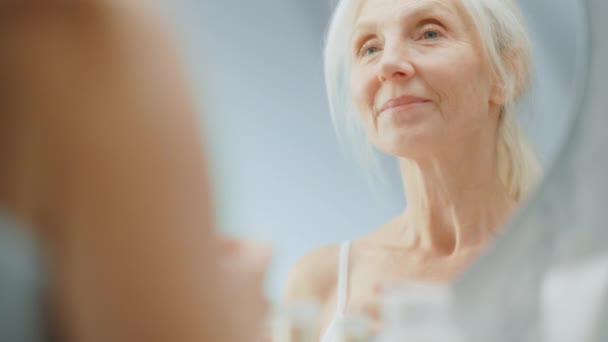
(371, 11)
(374, 13)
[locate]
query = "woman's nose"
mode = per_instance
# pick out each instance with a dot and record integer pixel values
(395, 64)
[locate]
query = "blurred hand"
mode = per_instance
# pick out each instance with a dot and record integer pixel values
(245, 265)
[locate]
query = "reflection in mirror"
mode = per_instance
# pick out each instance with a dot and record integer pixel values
(281, 174)
(552, 260)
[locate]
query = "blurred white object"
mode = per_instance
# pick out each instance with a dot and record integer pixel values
(419, 312)
(295, 322)
(572, 297)
(354, 328)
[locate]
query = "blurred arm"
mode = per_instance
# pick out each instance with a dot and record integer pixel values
(102, 154)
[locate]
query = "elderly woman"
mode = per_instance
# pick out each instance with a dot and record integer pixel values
(433, 83)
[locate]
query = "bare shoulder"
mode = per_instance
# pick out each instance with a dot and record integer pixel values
(314, 276)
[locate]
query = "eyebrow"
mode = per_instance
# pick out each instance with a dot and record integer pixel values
(418, 11)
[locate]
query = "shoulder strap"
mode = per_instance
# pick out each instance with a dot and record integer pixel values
(342, 278)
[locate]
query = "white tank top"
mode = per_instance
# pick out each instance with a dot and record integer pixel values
(331, 332)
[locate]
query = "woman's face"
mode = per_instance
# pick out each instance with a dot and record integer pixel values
(419, 77)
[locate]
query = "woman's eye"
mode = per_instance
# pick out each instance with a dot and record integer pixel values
(431, 35)
(369, 51)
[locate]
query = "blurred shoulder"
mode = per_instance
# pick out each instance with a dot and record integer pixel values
(314, 276)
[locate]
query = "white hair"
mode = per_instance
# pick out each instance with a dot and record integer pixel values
(503, 34)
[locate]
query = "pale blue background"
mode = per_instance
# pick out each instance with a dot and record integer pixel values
(278, 171)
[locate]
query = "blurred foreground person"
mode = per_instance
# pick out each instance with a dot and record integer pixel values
(106, 222)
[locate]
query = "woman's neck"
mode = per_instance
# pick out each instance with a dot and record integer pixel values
(454, 202)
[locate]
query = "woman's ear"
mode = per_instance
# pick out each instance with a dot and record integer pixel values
(498, 94)
(517, 66)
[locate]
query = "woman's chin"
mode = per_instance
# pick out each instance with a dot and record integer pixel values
(405, 150)
(406, 145)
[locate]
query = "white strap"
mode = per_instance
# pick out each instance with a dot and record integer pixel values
(342, 278)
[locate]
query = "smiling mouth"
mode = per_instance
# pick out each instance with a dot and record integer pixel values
(402, 102)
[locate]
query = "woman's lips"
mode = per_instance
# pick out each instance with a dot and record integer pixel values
(402, 101)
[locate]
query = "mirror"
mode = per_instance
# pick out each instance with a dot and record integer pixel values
(280, 174)
(562, 227)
